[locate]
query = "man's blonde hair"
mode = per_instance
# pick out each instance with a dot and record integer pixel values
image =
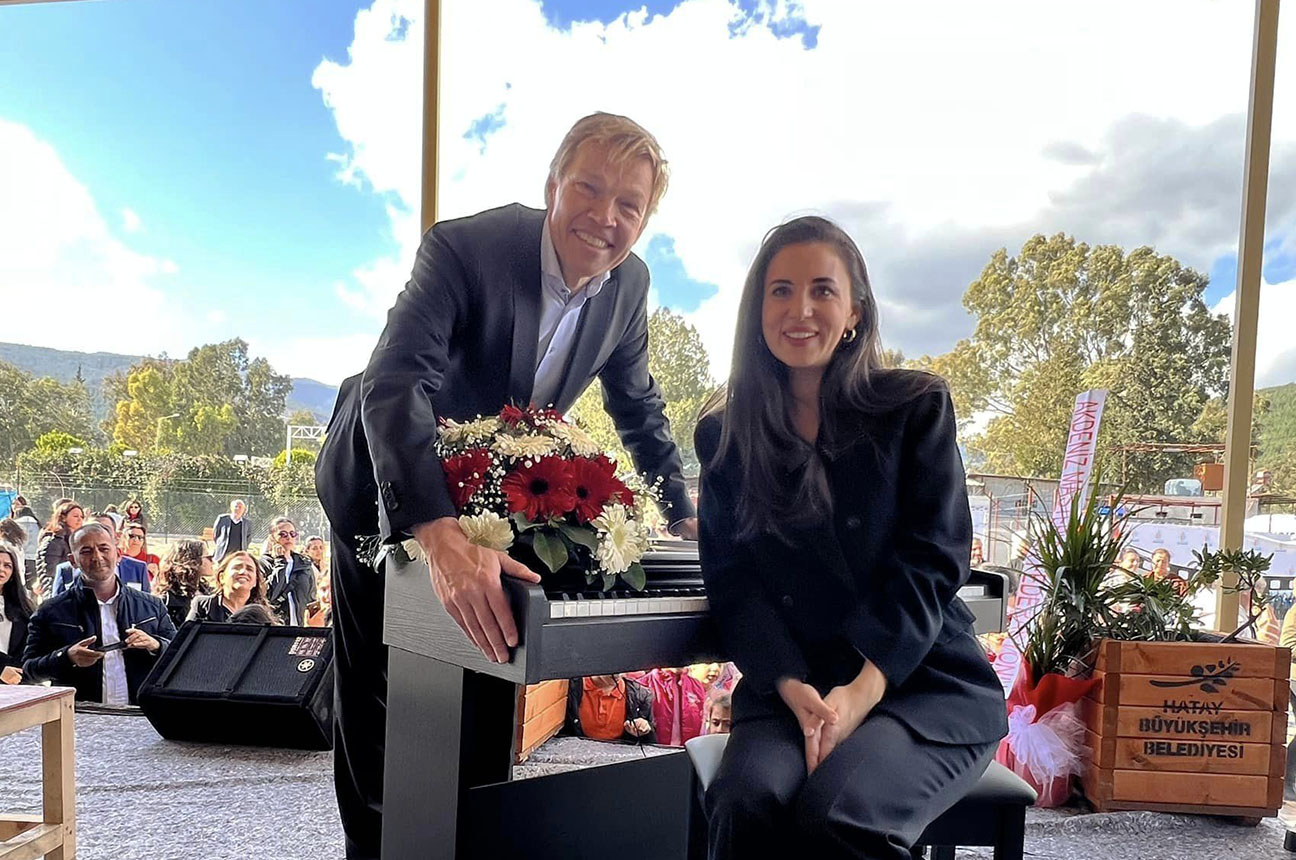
(625, 139)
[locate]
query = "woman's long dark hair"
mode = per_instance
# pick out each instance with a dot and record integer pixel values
(181, 570)
(14, 599)
(58, 520)
(757, 402)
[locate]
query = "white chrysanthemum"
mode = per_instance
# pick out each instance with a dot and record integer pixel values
(487, 529)
(524, 446)
(414, 550)
(581, 443)
(622, 540)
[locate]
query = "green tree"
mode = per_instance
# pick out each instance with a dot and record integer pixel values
(1062, 317)
(30, 407)
(58, 442)
(214, 401)
(678, 361)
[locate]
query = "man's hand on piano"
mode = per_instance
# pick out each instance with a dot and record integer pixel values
(466, 578)
(638, 727)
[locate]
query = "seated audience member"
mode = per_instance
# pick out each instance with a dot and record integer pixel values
(26, 517)
(254, 613)
(678, 699)
(182, 577)
(1131, 561)
(133, 573)
(289, 575)
(99, 637)
(135, 535)
(1161, 570)
(314, 550)
(238, 584)
(610, 708)
(15, 611)
(319, 613)
(978, 552)
(719, 714)
(53, 548)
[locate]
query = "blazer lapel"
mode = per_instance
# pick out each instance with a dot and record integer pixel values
(594, 328)
(526, 310)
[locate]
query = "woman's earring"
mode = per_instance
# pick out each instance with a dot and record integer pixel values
(849, 335)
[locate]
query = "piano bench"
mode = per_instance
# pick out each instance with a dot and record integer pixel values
(993, 813)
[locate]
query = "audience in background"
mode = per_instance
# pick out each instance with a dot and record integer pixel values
(978, 552)
(608, 708)
(182, 576)
(133, 573)
(289, 576)
(97, 636)
(30, 523)
(135, 545)
(314, 550)
(678, 700)
(319, 613)
(255, 613)
(133, 512)
(239, 583)
(15, 611)
(54, 548)
(719, 713)
(231, 531)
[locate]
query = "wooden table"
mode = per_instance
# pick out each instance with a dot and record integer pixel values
(53, 834)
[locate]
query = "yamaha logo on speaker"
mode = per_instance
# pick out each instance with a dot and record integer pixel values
(305, 665)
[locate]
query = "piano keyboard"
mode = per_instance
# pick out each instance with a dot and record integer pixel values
(597, 604)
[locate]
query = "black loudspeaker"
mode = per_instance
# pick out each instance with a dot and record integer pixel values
(250, 684)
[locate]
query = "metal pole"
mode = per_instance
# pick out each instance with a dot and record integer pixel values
(1246, 309)
(287, 444)
(431, 111)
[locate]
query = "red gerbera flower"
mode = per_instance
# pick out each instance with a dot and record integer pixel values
(540, 491)
(511, 415)
(465, 474)
(595, 483)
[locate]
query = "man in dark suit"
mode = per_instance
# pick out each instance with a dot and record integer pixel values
(98, 636)
(513, 305)
(231, 531)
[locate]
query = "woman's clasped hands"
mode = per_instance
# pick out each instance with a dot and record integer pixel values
(828, 720)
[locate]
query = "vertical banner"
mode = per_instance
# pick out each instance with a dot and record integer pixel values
(1077, 465)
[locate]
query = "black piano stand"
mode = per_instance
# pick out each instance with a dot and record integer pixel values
(448, 791)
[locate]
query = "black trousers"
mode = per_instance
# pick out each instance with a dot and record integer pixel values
(359, 698)
(871, 798)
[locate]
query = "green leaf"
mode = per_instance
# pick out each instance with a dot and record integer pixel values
(635, 576)
(523, 524)
(609, 580)
(550, 549)
(580, 535)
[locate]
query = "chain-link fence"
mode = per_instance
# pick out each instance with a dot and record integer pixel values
(181, 512)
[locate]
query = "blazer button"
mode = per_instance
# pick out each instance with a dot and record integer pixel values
(787, 601)
(852, 522)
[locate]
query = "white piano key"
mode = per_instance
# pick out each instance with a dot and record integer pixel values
(555, 609)
(582, 609)
(569, 608)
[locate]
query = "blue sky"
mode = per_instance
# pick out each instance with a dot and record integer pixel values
(207, 119)
(200, 117)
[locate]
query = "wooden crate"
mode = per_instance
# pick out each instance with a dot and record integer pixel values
(1196, 727)
(542, 707)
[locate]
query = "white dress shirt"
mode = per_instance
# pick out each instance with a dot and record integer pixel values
(115, 689)
(559, 317)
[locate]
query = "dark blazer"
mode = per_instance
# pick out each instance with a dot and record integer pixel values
(74, 615)
(639, 703)
(208, 607)
(460, 342)
(52, 551)
(879, 580)
(293, 576)
(13, 650)
(221, 535)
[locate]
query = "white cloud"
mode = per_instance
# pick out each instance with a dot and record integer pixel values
(327, 359)
(130, 220)
(1275, 352)
(57, 252)
(952, 125)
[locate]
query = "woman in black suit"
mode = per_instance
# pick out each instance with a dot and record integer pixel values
(835, 534)
(15, 610)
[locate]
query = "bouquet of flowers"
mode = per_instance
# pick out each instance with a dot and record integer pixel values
(526, 479)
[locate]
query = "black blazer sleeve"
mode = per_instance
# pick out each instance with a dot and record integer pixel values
(13, 654)
(752, 630)
(198, 608)
(405, 372)
(932, 539)
(634, 400)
